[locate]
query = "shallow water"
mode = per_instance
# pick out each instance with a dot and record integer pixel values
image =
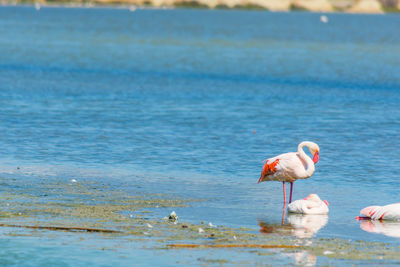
(190, 103)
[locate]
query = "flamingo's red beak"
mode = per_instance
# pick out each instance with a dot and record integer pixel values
(316, 157)
(359, 218)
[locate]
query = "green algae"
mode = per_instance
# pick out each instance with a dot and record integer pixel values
(94, 205)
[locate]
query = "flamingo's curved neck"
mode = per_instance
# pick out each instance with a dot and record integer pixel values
(310, 168)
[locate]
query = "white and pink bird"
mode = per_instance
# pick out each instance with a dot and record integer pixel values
(309, 205)
(388, 212)
(291, 166)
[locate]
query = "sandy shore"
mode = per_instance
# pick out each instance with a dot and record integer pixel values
(349, 6)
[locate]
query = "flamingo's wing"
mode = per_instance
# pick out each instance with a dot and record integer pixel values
(391, 212)
(308, 207)
(284, 167)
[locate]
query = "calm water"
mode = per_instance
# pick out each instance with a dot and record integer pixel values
(191, 102)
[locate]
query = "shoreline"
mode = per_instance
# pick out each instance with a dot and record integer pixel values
(102, 210)
(182, 5)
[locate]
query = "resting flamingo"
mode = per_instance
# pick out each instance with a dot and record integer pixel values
(309, 205)
(291, 166)
(388, 212)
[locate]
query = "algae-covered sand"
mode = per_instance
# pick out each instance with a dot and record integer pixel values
(135, 218)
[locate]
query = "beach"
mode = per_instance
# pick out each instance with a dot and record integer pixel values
(328, 6)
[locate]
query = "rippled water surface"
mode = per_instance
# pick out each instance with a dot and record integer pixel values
(190, 103)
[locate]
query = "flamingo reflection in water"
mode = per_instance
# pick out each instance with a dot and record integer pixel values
(387, 228)
(298, 225)
(302, 227)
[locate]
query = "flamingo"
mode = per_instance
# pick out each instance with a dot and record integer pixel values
(291, 166)
(388, 212)
(310, 205)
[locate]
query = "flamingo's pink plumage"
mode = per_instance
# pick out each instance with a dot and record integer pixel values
(388, 212)
(291, 166)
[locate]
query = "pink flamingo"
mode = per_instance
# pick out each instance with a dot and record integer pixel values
(291, 166)
(388, 212)
(309, 205)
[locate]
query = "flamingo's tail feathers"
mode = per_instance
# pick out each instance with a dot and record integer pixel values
(268, 169)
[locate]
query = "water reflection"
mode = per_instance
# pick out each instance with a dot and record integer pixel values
(305, 226)
(298, 225)
(387, 228)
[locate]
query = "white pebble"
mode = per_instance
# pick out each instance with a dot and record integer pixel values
(173, 216)
(130, 215)
(149, 225)
(234, 237)
(328, 252)
(201, 230)
(73, 181)
(211, 225)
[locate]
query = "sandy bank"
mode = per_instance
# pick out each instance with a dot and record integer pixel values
(351, 6)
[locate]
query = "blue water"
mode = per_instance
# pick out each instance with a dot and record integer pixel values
(191, 102)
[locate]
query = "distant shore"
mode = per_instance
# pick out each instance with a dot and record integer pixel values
(348, 6)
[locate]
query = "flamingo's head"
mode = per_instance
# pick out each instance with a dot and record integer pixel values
(314, 149)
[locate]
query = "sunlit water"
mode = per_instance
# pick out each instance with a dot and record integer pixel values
(191, 102)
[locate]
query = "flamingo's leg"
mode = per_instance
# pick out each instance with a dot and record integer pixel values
(284, 193)
(291, 191)
(283, 214)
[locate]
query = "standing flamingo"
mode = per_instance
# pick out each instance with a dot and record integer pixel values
(291, 166)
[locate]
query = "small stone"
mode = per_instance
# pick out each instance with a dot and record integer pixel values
(184, 226)
(173, 217)
(149, 225)
(234, 237)
(73, 181)
(201, 230)
(328, 252)
(211, 225)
